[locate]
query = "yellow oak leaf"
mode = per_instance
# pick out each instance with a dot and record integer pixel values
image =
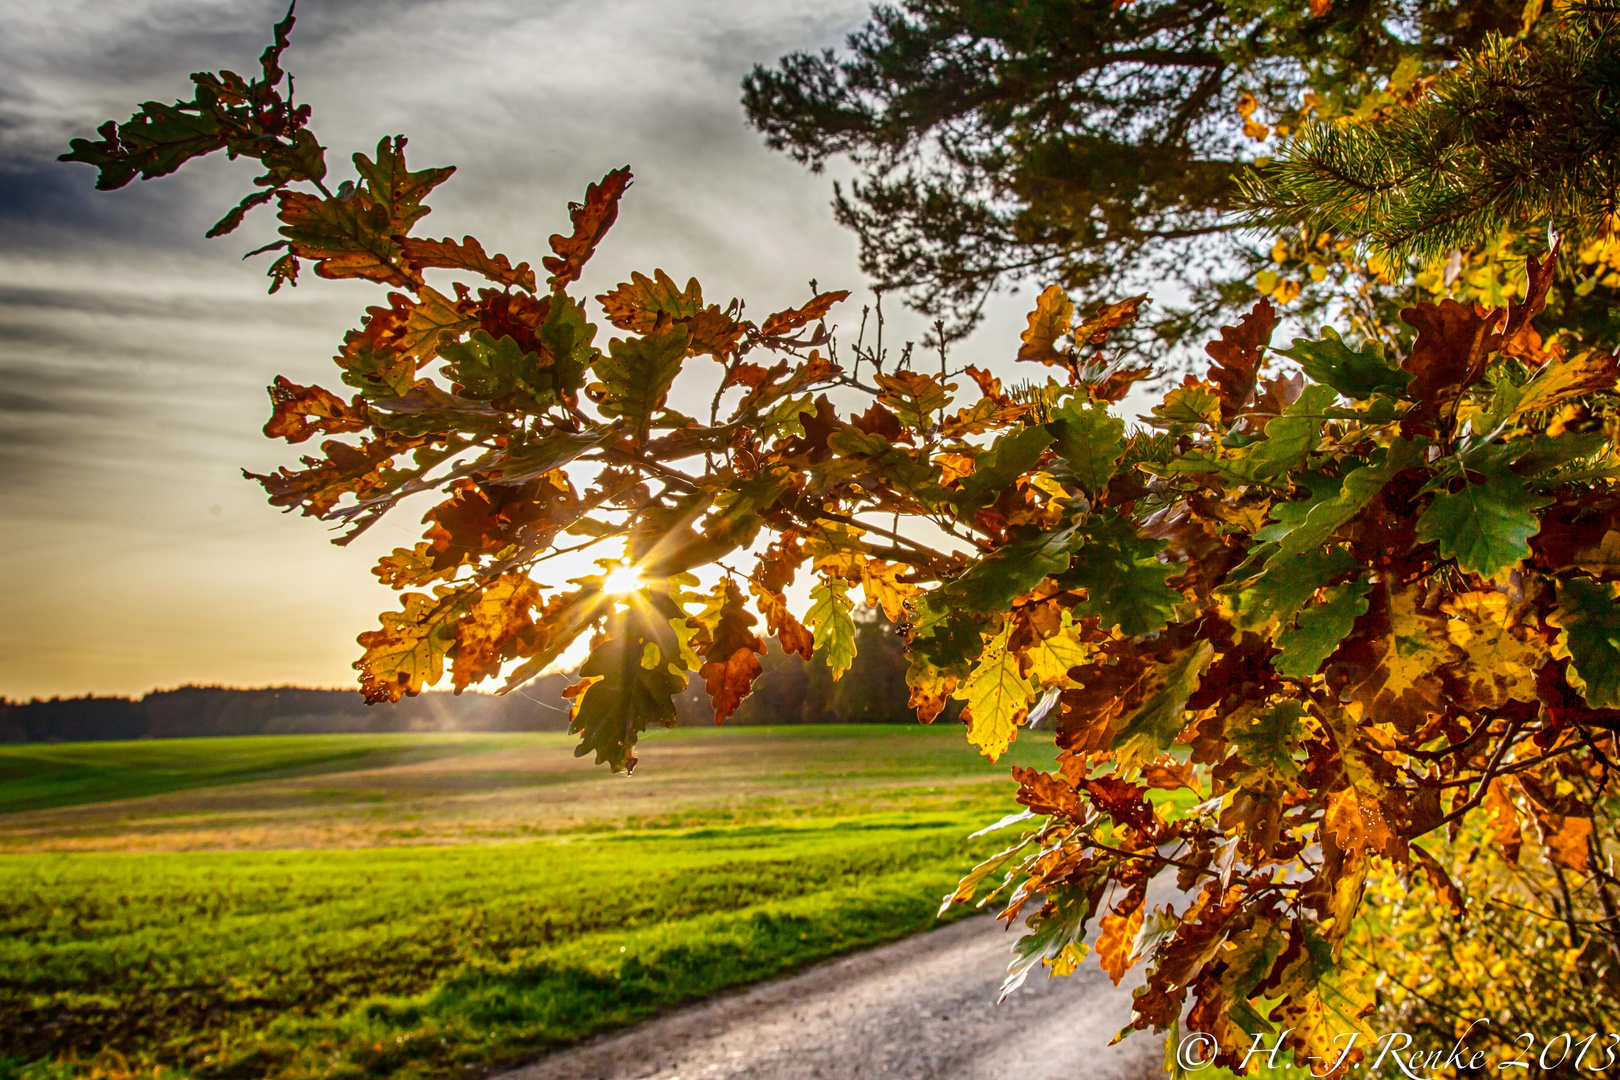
(1117, 940)
(883, 590)
(1051, 319)
(1047, 663)
(997, 698)
(1503, 649)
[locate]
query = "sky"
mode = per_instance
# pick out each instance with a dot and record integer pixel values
(134, 353)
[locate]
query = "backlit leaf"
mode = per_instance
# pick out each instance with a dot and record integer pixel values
(592, 219)
(730, 653)
(994, 470)
(1123, 577)
(467, 254)
(1051, 319)
(1116, 940)
(633, 677)
(832, 625)
(638, 374)
(997, 699)
(1152, 727)
(1237, 356)
(408, 653)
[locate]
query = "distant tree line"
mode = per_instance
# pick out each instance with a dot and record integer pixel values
(791, 691)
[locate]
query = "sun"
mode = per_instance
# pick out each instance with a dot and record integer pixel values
(621, 580)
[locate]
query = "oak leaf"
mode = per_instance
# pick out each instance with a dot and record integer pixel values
(408, 653)
(591, 219)
(1518, 337)
(1502, 646)
(1563, 378)
(1051, 319)
(637, 304)
(637, 375)
(636, 673)
(997, 698)
(1237, 356)
(487, 634)
(917, 400)
(1502, 818)
(1357, 374)
(1449, 355)
(1485, 526)
(785, 322)
(1564, 838)
(1090, 440)
(1095, 329)
(730, 652)
(1123, 578)
(1152, 726)
(1588, 622)
(1116, 940)
(303, 411)
(466, 254)
(1320, 629)
(832, 625)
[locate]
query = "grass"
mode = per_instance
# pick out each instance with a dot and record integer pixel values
(48, 775)
(408, 956)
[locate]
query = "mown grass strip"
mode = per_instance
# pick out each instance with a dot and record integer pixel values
(43, 776)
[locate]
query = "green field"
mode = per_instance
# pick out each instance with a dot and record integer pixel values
(374, 905)
(43, 776)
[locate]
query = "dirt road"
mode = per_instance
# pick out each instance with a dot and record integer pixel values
(920, 1009)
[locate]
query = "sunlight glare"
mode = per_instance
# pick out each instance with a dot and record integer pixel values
(621, 580)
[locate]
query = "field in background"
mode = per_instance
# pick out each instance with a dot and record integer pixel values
(50, 775)
(397, 905)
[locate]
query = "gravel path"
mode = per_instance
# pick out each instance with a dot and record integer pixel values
(920, 1009)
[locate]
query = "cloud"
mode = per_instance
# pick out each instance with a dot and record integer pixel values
(134, 353)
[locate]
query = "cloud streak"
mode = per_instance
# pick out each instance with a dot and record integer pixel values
(134, 353)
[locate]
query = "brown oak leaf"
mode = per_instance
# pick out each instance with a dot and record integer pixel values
(303, 411)
(1453, 343)
(1237, 357)
(591, 219)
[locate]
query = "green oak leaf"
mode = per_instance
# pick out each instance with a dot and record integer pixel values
(1281, 589)
(1325, 513)
(488, 369)
(639, 672)
(1266, 740)
(1588, 622)
(1355, 374)
(520, 463)
(1123, 577)
(1319, 629)
(832, 624)
(1487, 526)
(1186, 405)
(1091, 440)
(638, 374)
(944, 635)
(567, 336)
(1153, 727)
(1547, 453)
(1012, 456)
(377, 373)
(994, 582)
(1291, 437)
